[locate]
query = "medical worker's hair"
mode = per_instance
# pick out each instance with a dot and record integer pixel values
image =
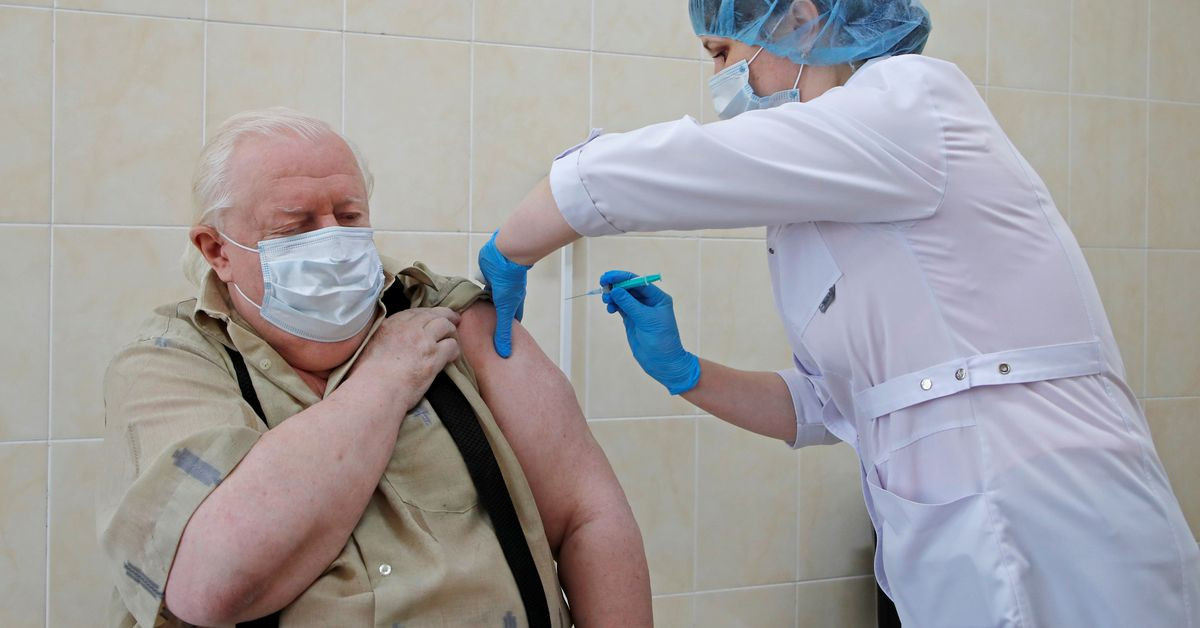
(212, 189)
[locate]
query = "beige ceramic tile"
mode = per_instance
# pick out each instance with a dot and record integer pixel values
(1173, 299)
(1029, 44)
(252, 67)
(106, 283)
(23, 535)
(450, 19)
(1174, 213)
(168, 8)
(530, 105)
(80, 584)
(632, 92)
(1108, 171)
(649, 27)
(444, 253)
(747, 608)
(303, 13)
(1175, 424)
(836, 603)
(25, 37)
(1037, 123)
(25, 273)
(960, 35)
(128, 119)
(655, 462)
(408, 107)
(1108, 47)
(835, 532)
(1174, 47)
(543, 298)
(674, 612)
(746, 527)
(1120, 276)
(617, 386)
(555, 23)
(740, 326)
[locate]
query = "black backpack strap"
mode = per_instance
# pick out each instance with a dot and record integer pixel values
(251, 397)
(460, 420)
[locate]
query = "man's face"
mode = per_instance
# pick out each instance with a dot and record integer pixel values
(284, 187)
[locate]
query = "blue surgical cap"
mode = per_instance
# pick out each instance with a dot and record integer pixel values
(843, 31)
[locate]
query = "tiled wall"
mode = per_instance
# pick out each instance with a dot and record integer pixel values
(460, 105)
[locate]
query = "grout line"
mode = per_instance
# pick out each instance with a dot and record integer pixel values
(204, 79)
(1146, 241)
(50, 441)
(50, 291)
(755, 587)
(471, 51)
(1070, 110)
(696, 438)
(987, 43)
(343, 35)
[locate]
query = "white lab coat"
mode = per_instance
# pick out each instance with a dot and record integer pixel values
(944, 323)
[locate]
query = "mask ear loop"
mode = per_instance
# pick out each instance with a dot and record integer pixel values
(798, 75)
(235, 286)
(760, 49)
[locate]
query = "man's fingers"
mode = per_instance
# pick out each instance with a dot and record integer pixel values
(441, 328)
(446, 313)
(448, 350)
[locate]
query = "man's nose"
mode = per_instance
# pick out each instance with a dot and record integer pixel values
(327, 220)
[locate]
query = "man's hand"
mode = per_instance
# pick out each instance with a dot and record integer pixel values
(408, 350)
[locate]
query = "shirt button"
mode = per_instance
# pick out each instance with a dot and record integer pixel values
(960, 374)
(264, 364)
(926, 384)
(385, 569)
(1005, 369)
(771, 251)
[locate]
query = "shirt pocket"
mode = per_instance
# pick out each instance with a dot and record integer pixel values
(427, 470)
(806, 276)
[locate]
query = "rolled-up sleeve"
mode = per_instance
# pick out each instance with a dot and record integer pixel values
(176, 426)
(809, 403)
(854, 155)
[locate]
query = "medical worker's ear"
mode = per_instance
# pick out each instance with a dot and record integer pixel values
(801, 12)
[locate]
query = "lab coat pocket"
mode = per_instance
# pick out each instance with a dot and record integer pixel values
(940, 560)
(805, 275)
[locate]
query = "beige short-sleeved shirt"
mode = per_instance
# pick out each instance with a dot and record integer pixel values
(423, 552)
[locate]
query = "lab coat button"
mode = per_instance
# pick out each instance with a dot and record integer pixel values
(771, 250)
(926, 384)
(1005, 369)
(385, 569)
(960, 374)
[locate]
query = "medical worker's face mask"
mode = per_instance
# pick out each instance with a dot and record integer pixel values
(732, 94)
(322, 285)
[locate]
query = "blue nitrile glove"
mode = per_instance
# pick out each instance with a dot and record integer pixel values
(506, 279)
(649, 317)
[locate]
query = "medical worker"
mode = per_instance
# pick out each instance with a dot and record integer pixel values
(941, 315)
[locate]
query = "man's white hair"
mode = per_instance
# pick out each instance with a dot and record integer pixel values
(212, 191)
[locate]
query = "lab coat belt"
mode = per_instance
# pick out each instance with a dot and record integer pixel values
(1018, 366)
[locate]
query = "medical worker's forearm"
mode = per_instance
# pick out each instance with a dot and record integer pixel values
(535, 229)
(282, 516)
(752, 400)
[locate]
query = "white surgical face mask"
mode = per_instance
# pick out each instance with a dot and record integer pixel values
(733, 95)
(322, 285)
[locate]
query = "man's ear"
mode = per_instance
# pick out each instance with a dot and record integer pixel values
(212, 248)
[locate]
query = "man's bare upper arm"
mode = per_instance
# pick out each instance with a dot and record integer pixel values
(536, 408)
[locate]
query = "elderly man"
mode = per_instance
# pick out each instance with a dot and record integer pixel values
(323, 437)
